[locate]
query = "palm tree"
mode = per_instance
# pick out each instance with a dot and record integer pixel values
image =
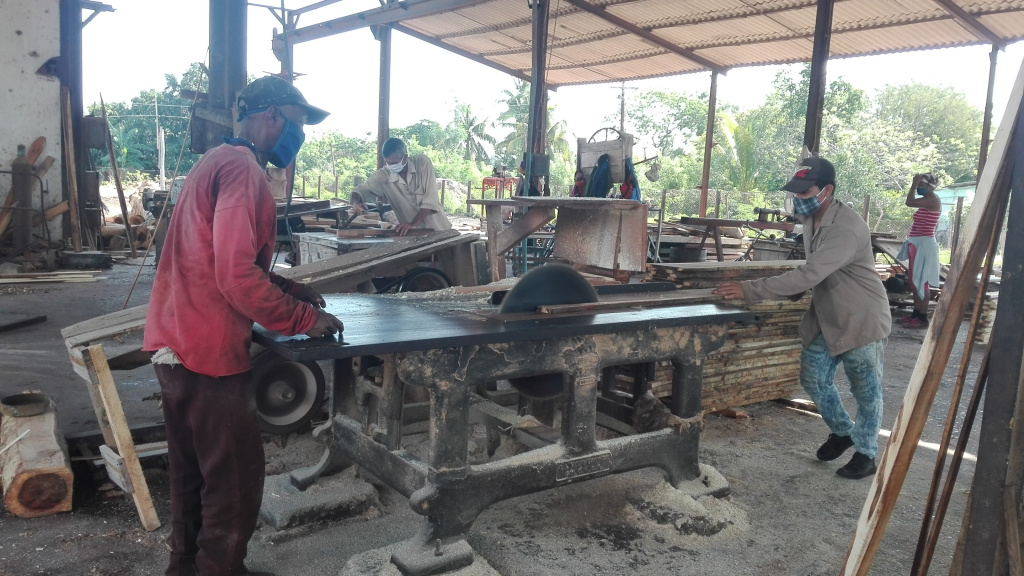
(473, 133)
(740, 153)
(516, 118)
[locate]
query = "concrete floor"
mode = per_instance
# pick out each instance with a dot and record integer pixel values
(794, 515)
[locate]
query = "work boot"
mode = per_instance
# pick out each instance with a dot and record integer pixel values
(834, 447)
(860, 466)
(916, 323)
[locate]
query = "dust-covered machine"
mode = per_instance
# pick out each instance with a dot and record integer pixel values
(555, 341)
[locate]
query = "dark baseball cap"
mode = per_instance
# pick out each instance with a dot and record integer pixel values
(268, 91)
(809, 172)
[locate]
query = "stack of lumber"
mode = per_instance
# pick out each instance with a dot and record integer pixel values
(681, 237)
(758, 362)
(711, 274)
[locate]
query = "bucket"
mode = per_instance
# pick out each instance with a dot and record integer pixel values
(24, 404)
(688, 254)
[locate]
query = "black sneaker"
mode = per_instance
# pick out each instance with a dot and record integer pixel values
(834, 447)
(860, 466)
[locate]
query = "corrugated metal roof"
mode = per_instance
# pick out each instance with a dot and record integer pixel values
(688, 35)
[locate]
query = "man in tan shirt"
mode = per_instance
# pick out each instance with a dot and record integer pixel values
(848, 320)
(409, 185)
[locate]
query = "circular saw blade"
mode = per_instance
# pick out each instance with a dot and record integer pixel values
(547, 285)
(543, 286)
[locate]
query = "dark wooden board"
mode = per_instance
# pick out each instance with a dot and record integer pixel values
(376, 325)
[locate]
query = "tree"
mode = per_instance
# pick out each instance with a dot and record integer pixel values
(940, 117)
(516, 117)
(473, 139)
(671, 121)
(425, 132)
(133, 125)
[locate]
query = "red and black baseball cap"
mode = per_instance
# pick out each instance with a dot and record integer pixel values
(809, 172)
(268, 91)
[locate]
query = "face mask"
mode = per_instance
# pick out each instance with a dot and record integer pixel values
(288, 144)
(922, 191)
(396, 168)
(806, 206)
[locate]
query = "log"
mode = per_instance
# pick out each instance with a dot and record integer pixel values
(35, 470)
(139, 233)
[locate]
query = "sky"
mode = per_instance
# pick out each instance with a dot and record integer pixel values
(131, 49)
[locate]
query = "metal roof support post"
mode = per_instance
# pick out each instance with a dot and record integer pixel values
(816, 91)
(228, 24)
(986, 125)
(709, 137)
(537, 125)
(383, 35)
(71, 76)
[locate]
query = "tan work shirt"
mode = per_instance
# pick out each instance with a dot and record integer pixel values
(407, 198)
(848, 302)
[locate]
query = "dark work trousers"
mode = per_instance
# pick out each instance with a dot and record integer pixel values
(216, 469)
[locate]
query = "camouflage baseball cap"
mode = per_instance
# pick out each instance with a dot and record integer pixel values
(268, 91)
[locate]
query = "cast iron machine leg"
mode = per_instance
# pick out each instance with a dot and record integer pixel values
(440, 545)
(331, 462)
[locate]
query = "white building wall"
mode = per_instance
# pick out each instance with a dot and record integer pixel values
(30, 102)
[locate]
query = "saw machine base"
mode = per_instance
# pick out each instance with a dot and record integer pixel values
(453, 354)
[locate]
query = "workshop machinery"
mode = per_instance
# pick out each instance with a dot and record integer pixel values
(454, 348)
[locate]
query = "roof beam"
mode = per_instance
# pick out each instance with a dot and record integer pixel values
(971, 23)
(603, 14)
(313, 6)
(385, 15)
(474, 57)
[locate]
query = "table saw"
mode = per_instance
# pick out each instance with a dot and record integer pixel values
(453, 348)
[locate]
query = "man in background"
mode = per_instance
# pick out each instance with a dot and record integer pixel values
(409, 185)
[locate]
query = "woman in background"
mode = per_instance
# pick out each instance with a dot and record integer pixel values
(921, 248)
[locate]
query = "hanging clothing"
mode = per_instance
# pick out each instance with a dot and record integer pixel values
(600, 179)
(630, 188)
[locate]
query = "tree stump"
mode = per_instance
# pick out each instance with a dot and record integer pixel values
(35, 471)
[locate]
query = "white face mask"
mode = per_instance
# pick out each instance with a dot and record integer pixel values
(396, 168)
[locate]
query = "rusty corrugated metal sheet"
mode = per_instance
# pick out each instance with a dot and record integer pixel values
(586, 48)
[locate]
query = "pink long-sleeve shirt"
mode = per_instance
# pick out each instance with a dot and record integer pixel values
(214, 278)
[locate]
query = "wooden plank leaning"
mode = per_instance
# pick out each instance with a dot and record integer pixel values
(123, 438)
(990, 199)
(349, 270)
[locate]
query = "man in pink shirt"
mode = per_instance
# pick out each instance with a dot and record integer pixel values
(213, 282)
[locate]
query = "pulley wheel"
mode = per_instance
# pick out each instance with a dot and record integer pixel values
(547, 285)
(288, 393)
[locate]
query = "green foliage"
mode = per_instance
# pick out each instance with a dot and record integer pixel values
(671, 121)
(335, 156)
(876, 144)
(516, 118)
(938, 117)
(469, 134)
(133, 125)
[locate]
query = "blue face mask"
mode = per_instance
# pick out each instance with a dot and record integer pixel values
(288, 144)
(922, 191)
(806, 206)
